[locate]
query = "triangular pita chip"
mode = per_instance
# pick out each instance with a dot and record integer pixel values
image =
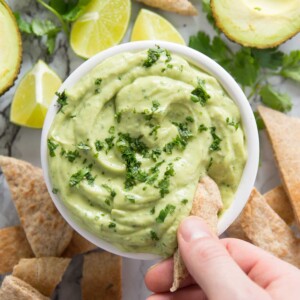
(13, 247)
(13, 288)
(101, 276)
(43, 273)
(265, 229)
(183, 7)
(207, 203)
(284, 133)
(279, 202)
(78, 245)
(47, 232)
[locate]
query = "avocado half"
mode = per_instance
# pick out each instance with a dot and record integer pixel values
(257, 23)
(10, 48)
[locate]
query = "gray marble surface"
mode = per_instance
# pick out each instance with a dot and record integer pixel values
(24, 143)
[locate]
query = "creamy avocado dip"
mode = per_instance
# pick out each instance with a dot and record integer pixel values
(131, 140)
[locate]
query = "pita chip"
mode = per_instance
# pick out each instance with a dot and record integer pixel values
(284, 134)
(101, 276)
(78, 245)
(183, 7)
(265, 229)
(43, 273)
(13, 247)
(206, 205)
(46, 231)
(13, 288)
(279, 202)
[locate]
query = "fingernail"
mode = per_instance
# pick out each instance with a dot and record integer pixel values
(193, 228)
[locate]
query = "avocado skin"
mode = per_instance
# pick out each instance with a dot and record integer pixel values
(11, 79)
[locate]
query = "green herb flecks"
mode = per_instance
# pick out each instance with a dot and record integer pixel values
(61, 100)
(232, 123)
(111, 196)
(199, 94)
(83, 146)
(152, 211)
(154, 54)
(169, 209)
(215, 145)
(209, 164)
(112, 225)
(55, 190)
(202, 128)
(184, 201)
(118, 116)
(71, 155)
(99, 145)
(130, 198)
(190, 119)
(52, 147)
(164, 184)
(154, 236)
(80, 175)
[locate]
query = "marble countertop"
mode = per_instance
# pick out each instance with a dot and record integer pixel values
(24, 143)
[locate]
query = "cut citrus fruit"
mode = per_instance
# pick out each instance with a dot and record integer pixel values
(102, 25)
(151, 26)
(10, 48)
(33, 96)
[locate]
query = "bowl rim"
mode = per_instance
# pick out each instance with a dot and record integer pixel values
(201, 61)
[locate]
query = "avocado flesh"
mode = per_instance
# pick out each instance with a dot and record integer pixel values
(257, 23)
(10, 48)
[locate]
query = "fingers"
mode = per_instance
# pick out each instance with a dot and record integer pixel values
(159, 278)
(210, 264)
(188, 293)
(261, 266)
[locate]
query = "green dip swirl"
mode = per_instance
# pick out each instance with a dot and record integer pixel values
(132, 139)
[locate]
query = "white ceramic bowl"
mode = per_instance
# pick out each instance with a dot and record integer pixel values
(233, 90)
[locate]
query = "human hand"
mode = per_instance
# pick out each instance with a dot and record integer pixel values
(227, 269)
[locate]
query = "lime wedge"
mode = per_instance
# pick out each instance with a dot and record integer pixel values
(102, 25)
(151, 26)
(33, 96)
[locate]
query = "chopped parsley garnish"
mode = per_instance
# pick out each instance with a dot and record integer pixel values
(190, 119)
(154, 108)
(112, 194)
(215, 145)
(169, 209)
(154, 236)
(209, 164)
(111, 130)
(199, 94)
(232, 123)
(130, 198)
(109, 142)
(163, 184)
(154, 55)
(98, 83)
(202, 128)
(61, 100)
(82, 174)
(154, 131)
(181, 140)
(83, 146)
(184, 201)
(54, 190)
(72, 155)
(99, 145)
(51, 147)
(155, 154)
(112, 225)
(118, 116)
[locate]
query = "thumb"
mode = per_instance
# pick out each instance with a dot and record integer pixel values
(209, 263)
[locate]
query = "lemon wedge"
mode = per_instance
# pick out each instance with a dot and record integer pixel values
(33, 96)
(151, 26)
(102, 25)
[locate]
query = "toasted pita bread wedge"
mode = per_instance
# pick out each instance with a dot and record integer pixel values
(43, 273)
(46, 231)
(101, 276)
(183, 7)
(279, 202)
(13, 247)
(265, 229)
(78, 245)
(206, 205)
(284, 133)
(13, 288)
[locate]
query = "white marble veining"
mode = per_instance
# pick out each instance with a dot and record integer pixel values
(24, 143)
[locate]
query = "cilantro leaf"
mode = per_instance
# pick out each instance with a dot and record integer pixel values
(259, 121)
(274, 99)
(169, 209)
(207, 9)
(291, 65)
(75, 10)
(23, 25)
(268, 58)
